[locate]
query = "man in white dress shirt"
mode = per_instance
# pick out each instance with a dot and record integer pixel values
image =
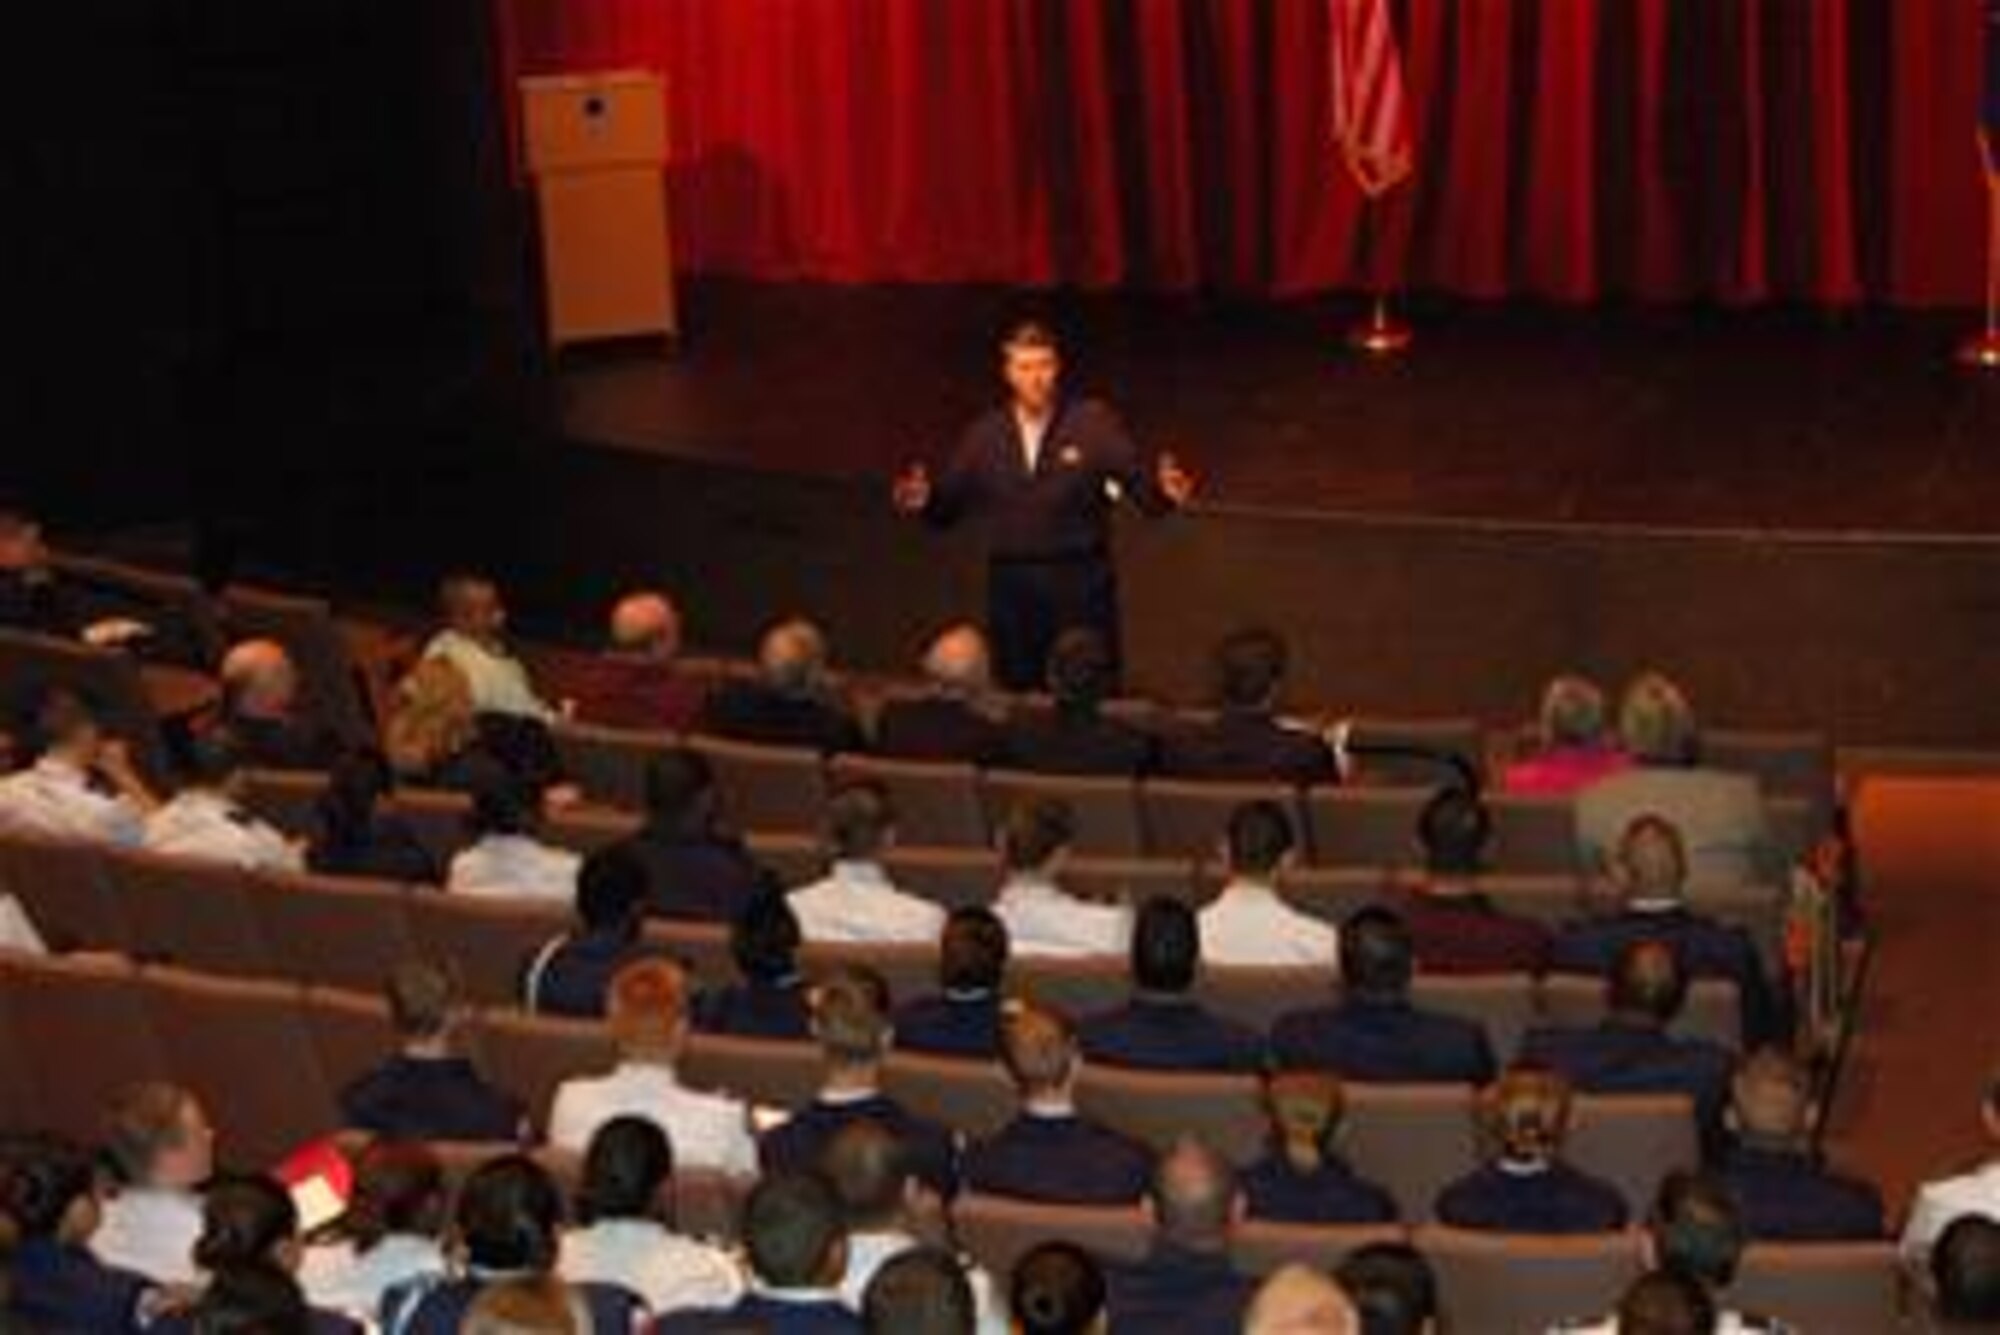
(506, 860)
(163, 1147)
(207, 821)
(1041, 917)
(648, 1012)
(475, 621)
(83, 785)
(1977, 1192)
(857, 901)
(1249, 923)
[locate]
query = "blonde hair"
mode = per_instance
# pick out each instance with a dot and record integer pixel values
(1656, 723)
(432, 717)
(648, 1004)
(1572, 712)
(1306, 1109)
(538, 1306)
(1037, 1046)
(1526, 1113)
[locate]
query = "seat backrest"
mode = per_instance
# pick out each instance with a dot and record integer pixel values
(795, 859)
(953, 877)
(189, 912)
(330, 683)
(1259, 1246)
(775, 1072)
(490, 941)
(1106, 809)
(63, 888)
(971, 1096)
(701, 947)
(1364, 827)
(1786, 764)
(351, 1032)
(21, 1092)
(708, 1204)
(1525, 1282)
(1532, 834)
(780, 788)
(288, 799)
(1504, 1003)
(1077, 987)
(1711, 1010)
(1828, 1288)
(1413, 1139)
(999, 1230)
(335, 930)
(108, 678)
(1550, 898)
(935, 803)
(1189, 819)
(1331, 893)
(77, 1005)
(1633, 1141)
(436, 817)
(609, 764)
(586, 829)
(1414, 752)
(1226, 1112)
(1135, 880)
(1258, 995)
(909, 968)
(529, 1055)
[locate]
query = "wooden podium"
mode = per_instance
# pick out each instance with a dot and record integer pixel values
(596, 146)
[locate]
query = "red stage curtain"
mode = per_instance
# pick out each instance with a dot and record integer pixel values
(1733, 150)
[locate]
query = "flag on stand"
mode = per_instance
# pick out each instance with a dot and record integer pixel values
(1371, 113)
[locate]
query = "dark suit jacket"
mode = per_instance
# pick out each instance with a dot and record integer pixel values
(1559, 1200)
(1334, 1194)
(1177, 1291)
(61, 1288)
(1789, 1197)
(1707, 949)
(444, 1099)
(750, 711)
(1466, 934)
(1614, 1057)
(1065, 1160)
(755, 1010)
(1171, 1034)
(757, 1314)
(390, 852)
(797, 1144)
(264, 743)
(1059, 510)
(1247, 746)
(1385, 1042)
(949, 1026)
(617, 692)
(1056, 742)
(938, 728)
(694, 877)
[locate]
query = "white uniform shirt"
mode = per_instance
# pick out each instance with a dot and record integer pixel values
(54, 799)
(670, 1272)
(151, 1232)
(858, 902)
(868, 1251)
(1044, 919)
(706, 1130)
(209, 827)
(514, 866)
(1249, 924)
(499, 680)
(340, 1279)
(1939, 1203)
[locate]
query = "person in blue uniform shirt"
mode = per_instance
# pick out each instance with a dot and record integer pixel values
(796, 1244)
(571, 974)
(1163, 1027)
(1302, 1177)
(850, 1018)
(1049, 1152)
(769, 998)
(1185, 1284)
(1374, 1032)
(1526, 1187)
(428, 1090)
(696, 870)
(1632, 1051)
(963, 1018)
(48, 1188)
(1045, 472)
(1785, 1192)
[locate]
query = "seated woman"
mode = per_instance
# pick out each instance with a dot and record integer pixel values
(770, 1001)
(249, 1249)
(437, 738)
(1303, 1178)
(48, 1190)
(355, 837)
(1575, 749)
(1527, 1188)
(391, 1232)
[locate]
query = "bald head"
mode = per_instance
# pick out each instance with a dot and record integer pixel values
(258, 679)
(958, 663)
(1652, 860)
(1298, 1300)
(793, 655)
(1194, 1196)
(646, 624)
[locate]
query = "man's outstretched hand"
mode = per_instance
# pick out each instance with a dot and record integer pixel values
(1176, 483)
(911, 491)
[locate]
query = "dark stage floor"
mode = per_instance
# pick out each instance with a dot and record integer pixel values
(1711, 419)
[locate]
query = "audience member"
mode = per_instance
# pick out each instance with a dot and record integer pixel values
(857, 900)
(923, 1291)
(1374, 1032)
(1042, 918)
(1573, 751)
(957, 718)
(571, 973)
(637, 682)
(1393, 1288)
(622, 1236)
(850, 1020)
(1786, 1194)
(1632, 1049)
(648, 1014)
(162, 1150)
(1049, 1152)
(431, 736)
(206, 820)
(1185, 1284)
(33, 596)
(1977, 1192)
(1720, 815)
(391, 1233)
(790, 702)
(355, 837)
(474, 641)
(1455, 927)
(82, 785)
(695, 870)
(1248, 741)
(797, 1250)
(1057, 1289)
(1526, 1187)
(537, 1305)
(1965, 1277)
(1249, 923)
(1298, 1300)
(963, 1018)
(1163, 1027)
(1302, 1177)
(250, 1224)
(1651, 868)
(251, 1299)
(260, 719)
(428, 1090)
(48, 1190)
(768, 1000)
(1074, 736)
(1664, 1302)
(506, 860)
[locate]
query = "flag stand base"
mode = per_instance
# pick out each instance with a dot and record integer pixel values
(1981, 352)
(1381, 334)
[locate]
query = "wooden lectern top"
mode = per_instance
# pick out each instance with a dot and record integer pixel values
(586, 122)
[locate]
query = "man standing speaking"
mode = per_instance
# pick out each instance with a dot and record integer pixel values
(1044, 472)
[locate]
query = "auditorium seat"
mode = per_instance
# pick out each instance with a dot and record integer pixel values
(351, 1032)
(1427, 753)
(529, 1055)
(935, 804)
(194, 914)
(909, 968)
(1364, 827)
(181, 614)
(970, 1096)
(794, 859)
(1106, 809)
(1711, 1012)
(65, 1007)
(489, 941)
(1257, 995)
(439, 819)
(21, 1093)
(1796, 825)
(953, 877)
(766, 787)
(337, 931)
(701, 947)
(288, 799)
(1506, 1004)
(609, 764)
(1550, 898)
(1330, 893)
(1828, 1288)
(585, 829)
(998, 1230)
(1226, 1111)
(1413, 1139)
(332, 689)
(1786, 763)
(1516, 1282)
(1532, 834)
(1259, 1246)
(108, 678)
(1077, 987)
(781, 1073)
(63, 887)
(1190, 819)
(706, 1204)
(1633, 1141)
(1134, 880)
